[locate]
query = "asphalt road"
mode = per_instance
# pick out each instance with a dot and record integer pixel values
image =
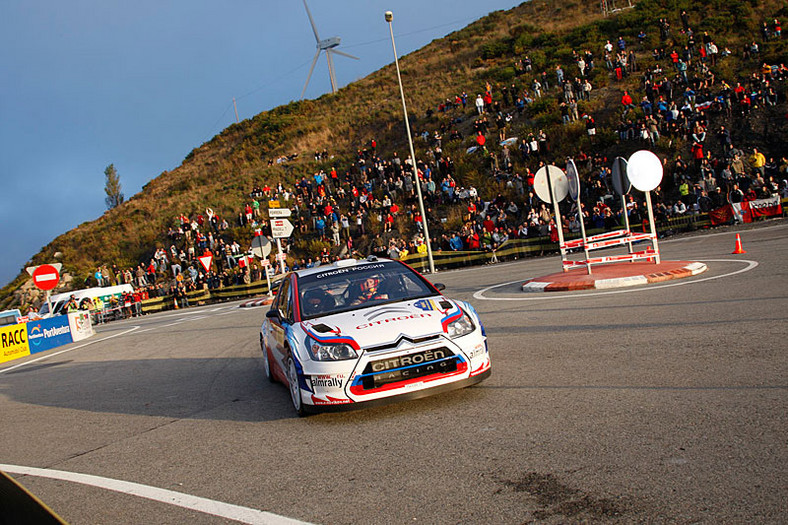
(665, 403)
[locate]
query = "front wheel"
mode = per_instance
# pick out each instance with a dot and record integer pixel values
(266, 361)
(293, 386)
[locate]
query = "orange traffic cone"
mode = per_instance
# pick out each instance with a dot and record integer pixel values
(738, 248)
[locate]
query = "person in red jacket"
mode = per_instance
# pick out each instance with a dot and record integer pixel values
(473, 241)
(626, 101)
(697, 154)
(471, 211)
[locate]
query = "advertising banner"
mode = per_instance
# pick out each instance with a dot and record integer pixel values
(80, 325)
(45, 334)
(13, 342)
(748, 210)
(722, 215)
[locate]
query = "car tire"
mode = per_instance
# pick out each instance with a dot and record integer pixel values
(293, 387)
(266, 361)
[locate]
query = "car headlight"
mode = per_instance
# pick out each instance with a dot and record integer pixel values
(329, 351)
(460, 327)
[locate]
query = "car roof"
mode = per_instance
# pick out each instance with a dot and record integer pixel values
(343, 263)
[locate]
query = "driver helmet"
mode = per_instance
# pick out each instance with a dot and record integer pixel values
(370, 284)
(315, 300)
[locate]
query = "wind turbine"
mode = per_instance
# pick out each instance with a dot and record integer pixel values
(329, 46)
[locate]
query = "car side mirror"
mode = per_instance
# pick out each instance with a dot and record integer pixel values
(272, 314)
(439, 286)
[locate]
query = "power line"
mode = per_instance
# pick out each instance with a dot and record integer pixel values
(210, 132)
(302, 65)
(426, 29)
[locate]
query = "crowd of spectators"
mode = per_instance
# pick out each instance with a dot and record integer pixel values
(373, 198)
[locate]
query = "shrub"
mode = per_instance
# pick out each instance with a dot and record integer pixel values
(495, 49)
(503, 74)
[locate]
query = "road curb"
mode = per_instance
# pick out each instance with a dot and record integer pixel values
(259, 301)
(614, 276)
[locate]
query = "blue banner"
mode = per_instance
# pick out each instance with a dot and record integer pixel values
(48, 333)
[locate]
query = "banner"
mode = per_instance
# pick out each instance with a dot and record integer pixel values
(748, 210)
(45, 334)
(13, 342)
(79, 322)
(722, 215)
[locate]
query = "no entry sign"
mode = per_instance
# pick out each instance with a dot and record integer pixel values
(46, 277)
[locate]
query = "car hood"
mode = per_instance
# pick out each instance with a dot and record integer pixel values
(387, 323)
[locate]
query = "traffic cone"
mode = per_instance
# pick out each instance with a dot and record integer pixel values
(738, 248)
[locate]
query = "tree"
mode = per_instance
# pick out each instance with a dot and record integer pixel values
(112, 187)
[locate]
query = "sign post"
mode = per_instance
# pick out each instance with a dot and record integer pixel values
(46, 277)
(552, 186)
(645, 172)
(622, 185)
(266, 268)
(281, 228)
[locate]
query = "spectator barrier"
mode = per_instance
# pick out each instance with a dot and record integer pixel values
(444, 260)
(23, 339)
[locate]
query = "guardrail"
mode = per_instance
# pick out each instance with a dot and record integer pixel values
(511, 249)
(207, 296)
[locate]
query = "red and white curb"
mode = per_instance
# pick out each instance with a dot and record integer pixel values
(260, 301)
(689, 270)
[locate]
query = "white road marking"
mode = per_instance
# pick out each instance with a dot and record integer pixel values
(179, 499)
(48, 356)
(557, 295)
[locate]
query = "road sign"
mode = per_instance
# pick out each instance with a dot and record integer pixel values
(279, 213)
(573, 178)
(46, 277)
(206, 261)
(644, 170)
(281, 228)
(558, 182)
(281, 256)
(261, 247)
(618, 176)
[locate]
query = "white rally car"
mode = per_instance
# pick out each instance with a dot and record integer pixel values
(359, 333)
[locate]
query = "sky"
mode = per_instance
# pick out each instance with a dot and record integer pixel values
(88, 83)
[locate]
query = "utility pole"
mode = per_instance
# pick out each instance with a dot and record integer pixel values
(236, 111)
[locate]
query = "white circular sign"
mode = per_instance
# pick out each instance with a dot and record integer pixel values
(644, 170)
(557, 179)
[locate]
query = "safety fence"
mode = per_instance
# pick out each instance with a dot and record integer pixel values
(444, 260)
(521, 248)
(39, 335)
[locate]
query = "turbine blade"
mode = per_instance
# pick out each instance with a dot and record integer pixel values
(311, 21)
(314, 61)
(338, 52)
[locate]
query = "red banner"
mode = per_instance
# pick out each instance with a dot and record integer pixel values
(721, 215)
(748, 210)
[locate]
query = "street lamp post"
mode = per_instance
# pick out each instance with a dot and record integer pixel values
(389, 18)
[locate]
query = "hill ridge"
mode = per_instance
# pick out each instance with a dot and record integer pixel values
(220, 173)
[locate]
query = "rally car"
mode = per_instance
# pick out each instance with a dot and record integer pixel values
(360, 333)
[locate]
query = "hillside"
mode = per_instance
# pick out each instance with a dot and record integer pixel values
(220, 174)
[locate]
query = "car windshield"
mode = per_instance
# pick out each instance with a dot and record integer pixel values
(353, 287)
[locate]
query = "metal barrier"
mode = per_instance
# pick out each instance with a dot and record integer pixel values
(205, 296)
(510, 250)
